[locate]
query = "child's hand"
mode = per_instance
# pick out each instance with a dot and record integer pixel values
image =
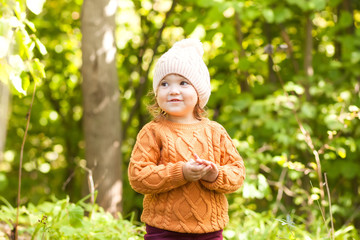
(212, 170)
(194, 171)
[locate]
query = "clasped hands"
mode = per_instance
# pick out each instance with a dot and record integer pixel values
(197, 169)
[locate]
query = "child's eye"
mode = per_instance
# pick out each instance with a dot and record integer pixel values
(184, 83)
(164, 84)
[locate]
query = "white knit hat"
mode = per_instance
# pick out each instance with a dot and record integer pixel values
(185, 59)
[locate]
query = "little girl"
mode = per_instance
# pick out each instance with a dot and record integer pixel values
(182, 162)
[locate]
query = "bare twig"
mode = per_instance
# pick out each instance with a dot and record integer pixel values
(21, 162)
(290, 49)
(264, 148)
(91, 184)
(321, 209)
(281, 190)
(286, 190)
(68, 180)
(332, 235)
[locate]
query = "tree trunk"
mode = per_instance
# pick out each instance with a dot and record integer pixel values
(308, 48)
(269, 37)
(308, 64)
(4, 113)
(101, 102)
(242, 76)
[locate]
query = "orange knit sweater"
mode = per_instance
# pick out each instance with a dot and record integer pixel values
(155, 170)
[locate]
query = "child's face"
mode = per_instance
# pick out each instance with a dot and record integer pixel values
(177, 97)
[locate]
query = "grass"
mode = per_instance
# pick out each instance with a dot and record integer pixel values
(61, 219)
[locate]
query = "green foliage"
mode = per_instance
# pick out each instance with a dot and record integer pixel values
(18, 44)
(54, 147)
(61, 219)
(248, 224)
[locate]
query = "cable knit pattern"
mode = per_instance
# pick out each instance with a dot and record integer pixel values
(155, 170)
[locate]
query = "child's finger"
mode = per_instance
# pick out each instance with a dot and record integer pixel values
(196, 156)
(193, 162)
(198, 159)
(213, 165)
(202, 161)
(206, 170)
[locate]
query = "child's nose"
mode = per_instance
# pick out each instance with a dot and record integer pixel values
(174, 90)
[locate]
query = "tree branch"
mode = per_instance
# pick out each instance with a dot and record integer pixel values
(281, 190)
(290, 49)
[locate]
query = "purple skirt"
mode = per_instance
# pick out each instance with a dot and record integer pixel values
(154, 233)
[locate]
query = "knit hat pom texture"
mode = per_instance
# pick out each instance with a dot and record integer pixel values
(185, 59)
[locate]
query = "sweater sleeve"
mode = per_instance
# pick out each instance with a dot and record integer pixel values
(231, 170)
(145, 175)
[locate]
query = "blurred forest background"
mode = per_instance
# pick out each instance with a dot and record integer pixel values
(285, 84)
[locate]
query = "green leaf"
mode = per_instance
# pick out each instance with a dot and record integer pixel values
(3, 181)
(317, 5)
(345, 20)
(300, 3)
(17, 9)
(308, 110)
(250, 13)
(6, 202)
(341, 152)
(17, 64)
(333, 123)
(268, 15)
(282, 14)
(30, 25)
(5, 44)
(353, 108)
(68, 231)
(40, 46)
(355, 57)
(36, 69)
(76, 214)
(257, 108)
(291, 86)
(25, 81)
(21, 45)
(35, 6)
(243, 102)
(17, 83)
(334, 3)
